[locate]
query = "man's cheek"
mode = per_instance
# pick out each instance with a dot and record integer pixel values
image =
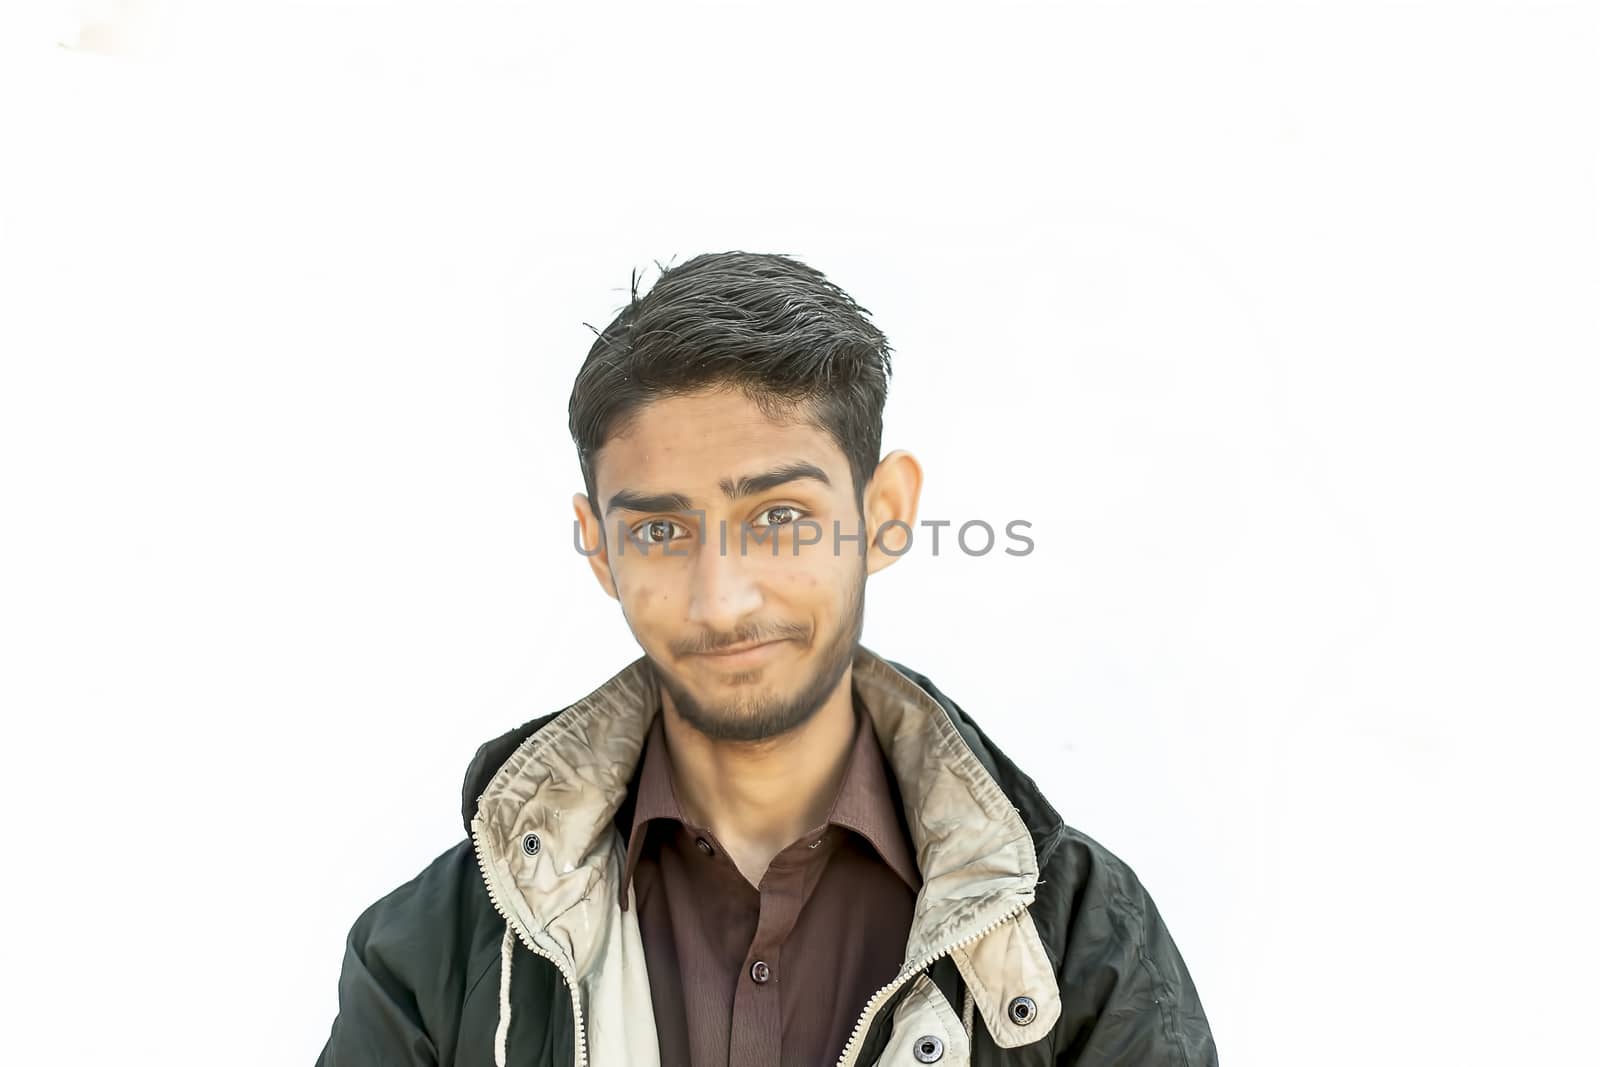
(646, 599)
(806, 581)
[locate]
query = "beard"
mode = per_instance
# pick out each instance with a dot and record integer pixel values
(770, 715)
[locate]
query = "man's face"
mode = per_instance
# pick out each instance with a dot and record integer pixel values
(701, 498)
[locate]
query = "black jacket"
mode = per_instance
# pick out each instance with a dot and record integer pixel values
(432, 973)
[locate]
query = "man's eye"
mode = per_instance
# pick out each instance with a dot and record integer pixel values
(656, 531)
(785, 515)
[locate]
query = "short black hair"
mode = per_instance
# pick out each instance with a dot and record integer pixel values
(764, 323)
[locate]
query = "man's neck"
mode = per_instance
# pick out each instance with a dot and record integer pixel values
(759, 797)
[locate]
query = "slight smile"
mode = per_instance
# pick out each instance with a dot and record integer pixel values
(743, 655)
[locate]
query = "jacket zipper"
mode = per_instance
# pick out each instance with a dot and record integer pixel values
(580, 1042)
(875, 1002)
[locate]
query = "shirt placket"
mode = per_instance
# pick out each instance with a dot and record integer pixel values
(756, 1034)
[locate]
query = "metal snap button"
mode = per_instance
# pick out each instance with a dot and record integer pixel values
(703, 845)
(1022, 1010)
(530, 844)
(760, 972)
(928, 1049)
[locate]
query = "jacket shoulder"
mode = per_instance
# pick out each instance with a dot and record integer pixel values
(411, 960)
(1124, 984)
(441, 903)
(1126, 995)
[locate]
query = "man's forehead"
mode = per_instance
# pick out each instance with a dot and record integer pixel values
(700, 449)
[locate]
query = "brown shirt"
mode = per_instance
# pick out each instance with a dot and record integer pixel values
(746, 976)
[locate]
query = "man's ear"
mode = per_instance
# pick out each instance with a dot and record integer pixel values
(591, 537)
(889, 507)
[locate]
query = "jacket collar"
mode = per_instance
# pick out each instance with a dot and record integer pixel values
(544, 825)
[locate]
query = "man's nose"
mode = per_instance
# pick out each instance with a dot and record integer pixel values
(724, 590)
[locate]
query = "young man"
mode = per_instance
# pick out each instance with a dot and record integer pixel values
(760, 843)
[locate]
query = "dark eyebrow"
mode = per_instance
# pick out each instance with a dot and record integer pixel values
(760, 483)
(628, 500)
(749, 485)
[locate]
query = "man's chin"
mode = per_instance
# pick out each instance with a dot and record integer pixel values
(754, 729)
(751, 711)
(729, 704)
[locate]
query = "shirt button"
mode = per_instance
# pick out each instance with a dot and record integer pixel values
(760, 972)
(703, 845)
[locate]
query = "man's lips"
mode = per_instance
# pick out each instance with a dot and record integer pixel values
(742, 652)
(732, 649)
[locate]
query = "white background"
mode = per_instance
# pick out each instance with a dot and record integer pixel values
(1277, 321)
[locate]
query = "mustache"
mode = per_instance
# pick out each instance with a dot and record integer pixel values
(749, 636)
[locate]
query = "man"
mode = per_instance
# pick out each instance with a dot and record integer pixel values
(760, 843)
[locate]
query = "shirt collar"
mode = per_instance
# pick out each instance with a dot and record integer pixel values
(865, 804)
